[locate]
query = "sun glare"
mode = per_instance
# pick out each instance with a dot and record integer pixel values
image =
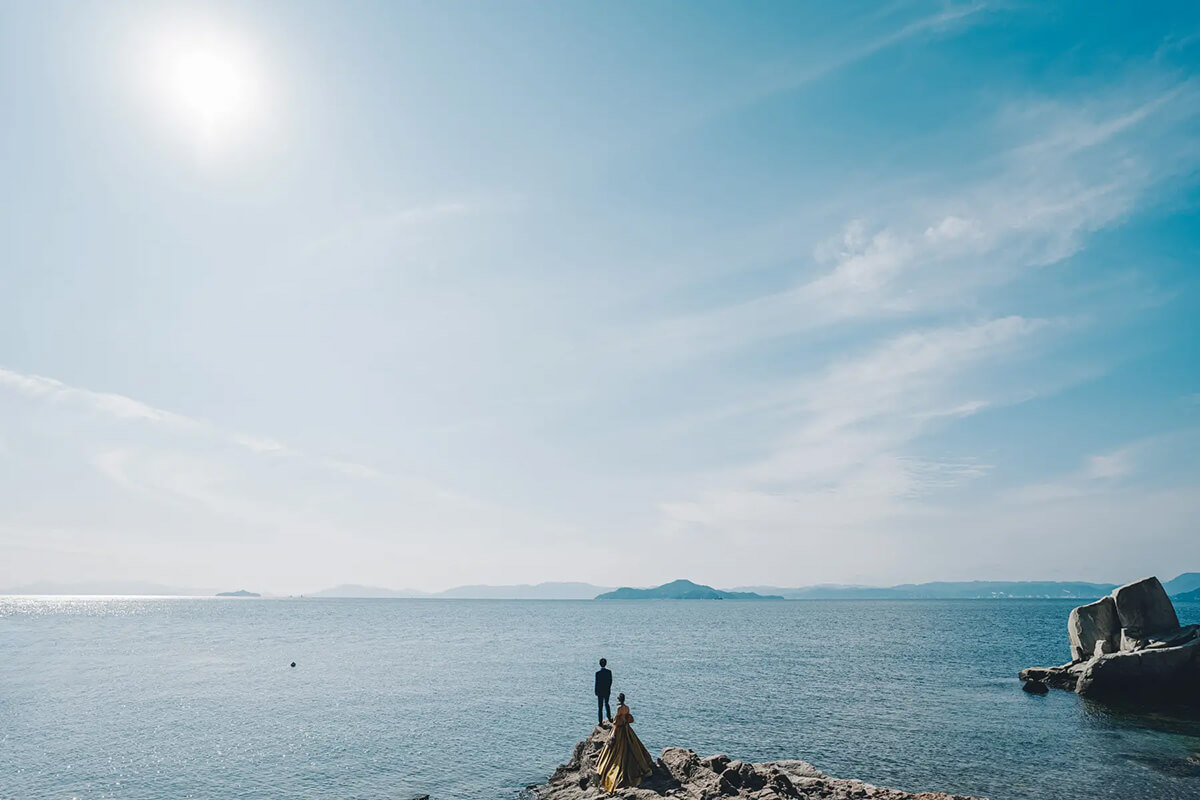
(211, 88)
(207, 87)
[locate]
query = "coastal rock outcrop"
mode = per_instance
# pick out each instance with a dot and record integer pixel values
(1093, 624)
(682, 774)
(1143, 609)
(1128, 645)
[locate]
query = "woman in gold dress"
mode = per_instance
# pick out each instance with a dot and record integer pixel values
(624, 762)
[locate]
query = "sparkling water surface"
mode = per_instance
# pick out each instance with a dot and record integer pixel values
(176, 698)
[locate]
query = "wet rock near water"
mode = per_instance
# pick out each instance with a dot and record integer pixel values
(1127, 646)
(683, 774)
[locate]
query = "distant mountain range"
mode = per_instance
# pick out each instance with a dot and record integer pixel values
(682, 590)
(945, 590)
(967, 590)
(1188, 597)
(1188, 582)
(239, 593)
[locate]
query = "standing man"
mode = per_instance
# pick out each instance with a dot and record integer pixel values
(603, 688)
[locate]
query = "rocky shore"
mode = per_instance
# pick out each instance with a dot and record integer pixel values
(683, 774)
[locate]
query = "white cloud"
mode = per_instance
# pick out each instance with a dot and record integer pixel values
(1073, 174)
(1169, 457)
(1110, 465)
(841, 464)
(220, 495)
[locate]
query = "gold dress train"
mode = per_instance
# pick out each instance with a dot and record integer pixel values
(624, 761)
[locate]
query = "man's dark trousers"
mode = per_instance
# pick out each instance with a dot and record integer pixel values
(603, 688)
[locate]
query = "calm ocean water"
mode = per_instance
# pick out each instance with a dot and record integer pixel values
(172, 698)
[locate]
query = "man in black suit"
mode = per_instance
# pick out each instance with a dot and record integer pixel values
(603, 688)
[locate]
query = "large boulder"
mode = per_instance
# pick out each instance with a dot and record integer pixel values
(1155, 672)
(1093, 624)
(1143, 609)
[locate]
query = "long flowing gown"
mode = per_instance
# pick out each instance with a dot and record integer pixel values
(624, 762)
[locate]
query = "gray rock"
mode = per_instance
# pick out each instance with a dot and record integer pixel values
(1167, 672)
(1144, 608)
(1174, 638)
(1064, 677)
(685, 767)
(1092, 624)
(1131, 640)
(682, 764)
(797, 769)
(1034, 687)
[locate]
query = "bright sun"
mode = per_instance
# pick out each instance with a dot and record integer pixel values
(207, 87)
(210, 86)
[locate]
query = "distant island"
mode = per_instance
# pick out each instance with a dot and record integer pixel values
(1189, 597)
(682, 590)
(239, 593)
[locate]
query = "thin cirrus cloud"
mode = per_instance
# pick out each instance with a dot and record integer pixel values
(841, 462)
(179, 496)
(1078, 174)
(246, 484)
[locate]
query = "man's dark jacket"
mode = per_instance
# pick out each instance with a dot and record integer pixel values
(603, 682)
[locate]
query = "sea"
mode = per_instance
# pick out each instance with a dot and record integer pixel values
(166, 698)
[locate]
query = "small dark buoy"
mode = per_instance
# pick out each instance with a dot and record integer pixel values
(293, 663)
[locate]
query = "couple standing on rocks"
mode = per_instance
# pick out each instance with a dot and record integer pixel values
(624, 762)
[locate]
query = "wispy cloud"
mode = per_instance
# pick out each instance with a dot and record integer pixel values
(120, 407)
(840, 464)
(786, 78)
(768, 80)
(1168, 457)
(1075, 176)
(203, 486)
(364, 239)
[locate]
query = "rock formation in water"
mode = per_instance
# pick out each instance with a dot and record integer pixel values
(1128, 645)
(682, 774)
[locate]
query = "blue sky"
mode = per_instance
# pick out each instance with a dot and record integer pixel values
(295, 294)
